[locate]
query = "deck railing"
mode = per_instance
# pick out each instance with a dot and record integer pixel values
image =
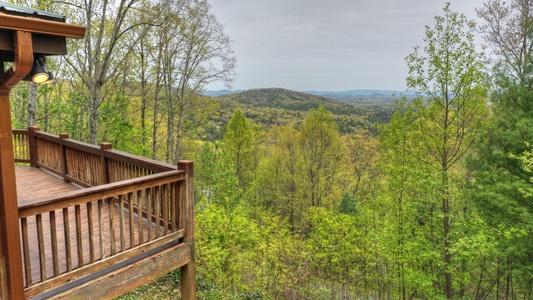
(131, 206)
(78, 162)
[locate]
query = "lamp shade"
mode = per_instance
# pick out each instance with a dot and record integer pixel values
(51, 78)
(39, 74)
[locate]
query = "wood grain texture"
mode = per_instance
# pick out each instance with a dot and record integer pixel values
(77, 238)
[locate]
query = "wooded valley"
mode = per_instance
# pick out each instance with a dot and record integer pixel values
(304, 197)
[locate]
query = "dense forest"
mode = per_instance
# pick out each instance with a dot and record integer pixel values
(303, 197)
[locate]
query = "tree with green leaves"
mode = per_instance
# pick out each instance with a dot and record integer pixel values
(238, 144)
(499, 169)
(276, 184)
(322, 154)
(442, 124)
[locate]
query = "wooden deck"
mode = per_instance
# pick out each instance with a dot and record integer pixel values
(120, 222)
(34, 184)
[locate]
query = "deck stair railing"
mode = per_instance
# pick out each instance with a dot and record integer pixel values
(129, 206)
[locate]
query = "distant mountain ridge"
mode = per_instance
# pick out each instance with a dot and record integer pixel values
(279, 107)
(357, 92)
(221, 92)
(349, 96)
(362, 92)
(291, 100)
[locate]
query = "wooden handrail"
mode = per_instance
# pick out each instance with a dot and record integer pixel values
(123, 210)
(82, 163)
(82, 196)
(129, 203)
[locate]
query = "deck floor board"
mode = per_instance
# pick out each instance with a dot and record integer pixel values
(33, 184)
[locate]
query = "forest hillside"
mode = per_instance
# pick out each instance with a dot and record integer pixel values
(279, 107)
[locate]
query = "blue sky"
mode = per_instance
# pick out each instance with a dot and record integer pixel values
(331, 45)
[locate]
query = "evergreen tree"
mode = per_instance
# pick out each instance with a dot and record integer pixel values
(500, 166)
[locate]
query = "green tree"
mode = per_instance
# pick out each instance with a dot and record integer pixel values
(238, 144)
(501, 176)
(276, 186)
(443, 122)
(322, 157)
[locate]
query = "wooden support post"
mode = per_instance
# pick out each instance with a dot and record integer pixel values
(32, 143)
(64, 167)
(105, 169)
(188, 272)
(10, 252)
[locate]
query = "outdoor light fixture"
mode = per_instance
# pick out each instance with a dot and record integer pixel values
(39, 74)
(51, 78)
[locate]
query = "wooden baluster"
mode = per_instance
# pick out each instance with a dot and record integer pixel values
(79, 238)
(91, 231)
(131, 221)
(173, 205)
(40, 241)
(101, 227)
(53, 233)
(140, 216)
(157, 211)
(26, 251)
(164, 211)
(66, 230)
(112, 226)
(181, 194)
(122, 223)
(149, 198)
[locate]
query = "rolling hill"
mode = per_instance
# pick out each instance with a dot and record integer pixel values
(278, 107)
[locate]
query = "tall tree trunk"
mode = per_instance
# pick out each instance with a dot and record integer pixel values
(32, 103)
(95, 92)
(143, 100)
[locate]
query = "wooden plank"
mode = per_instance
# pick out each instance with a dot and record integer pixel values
(79, 238)
(66, 230)
(42, 184)
(26, 249)
(131, 220)
(42, 44)
(101, 228)
(10, 249)
(53, 233)
(141, 162)
(95, 193)
(188, 272)
(100, 265)
(139, 212)
(127, 210)
(91, 231)
(33, 25)
(122, 225)
(126, 276)
(40, 244)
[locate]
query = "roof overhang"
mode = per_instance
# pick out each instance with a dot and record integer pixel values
(49, 31)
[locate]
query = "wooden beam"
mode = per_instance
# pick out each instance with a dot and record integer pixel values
(125, 276)
(11, 263)
(40, 26)
(42, 44)
(188, 271)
